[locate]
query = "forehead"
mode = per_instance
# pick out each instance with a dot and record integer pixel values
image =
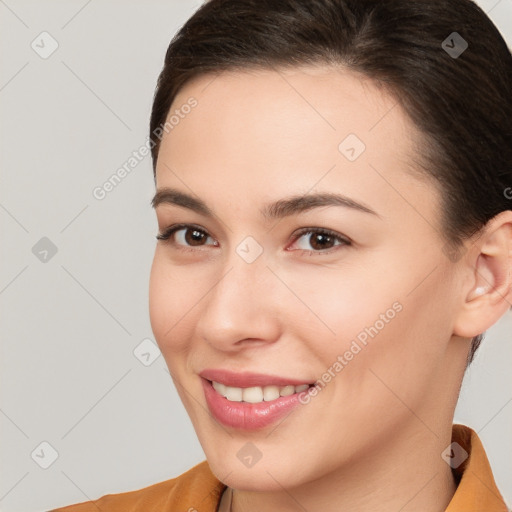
(280, 128)
(282, 108)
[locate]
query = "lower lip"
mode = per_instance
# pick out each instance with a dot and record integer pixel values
(244, 415)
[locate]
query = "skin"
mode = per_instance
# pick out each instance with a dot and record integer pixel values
(372, 438)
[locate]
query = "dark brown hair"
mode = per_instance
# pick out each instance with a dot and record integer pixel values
(460, 99)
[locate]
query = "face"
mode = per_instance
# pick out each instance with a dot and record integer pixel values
(300, 247)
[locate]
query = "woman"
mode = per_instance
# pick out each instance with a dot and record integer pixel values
(333, 195)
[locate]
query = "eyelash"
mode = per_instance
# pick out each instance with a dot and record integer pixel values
(167, 234)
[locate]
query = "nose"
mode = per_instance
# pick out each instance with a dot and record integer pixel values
(241, 309)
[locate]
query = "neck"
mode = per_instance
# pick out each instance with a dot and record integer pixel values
(407, 475)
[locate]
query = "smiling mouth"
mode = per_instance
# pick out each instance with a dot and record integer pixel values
(257, 394)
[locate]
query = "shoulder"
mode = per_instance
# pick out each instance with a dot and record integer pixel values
(196, 490)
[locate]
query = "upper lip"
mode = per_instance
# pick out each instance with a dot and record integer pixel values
(248, 379)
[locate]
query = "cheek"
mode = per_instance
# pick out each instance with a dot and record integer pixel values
(374, 317)
(338, 305)
(169, 303)
(400, 340)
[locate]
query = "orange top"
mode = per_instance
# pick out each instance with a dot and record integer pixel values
(198, 490)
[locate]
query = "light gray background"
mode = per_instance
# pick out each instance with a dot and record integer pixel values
(70, 325)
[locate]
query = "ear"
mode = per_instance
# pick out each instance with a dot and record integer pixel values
(488, 293)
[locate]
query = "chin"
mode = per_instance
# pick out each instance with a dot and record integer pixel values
(259, 478)
(247, 480)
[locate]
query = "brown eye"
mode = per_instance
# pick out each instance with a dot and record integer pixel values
(187, 236)
(319, 240)
(194, 236)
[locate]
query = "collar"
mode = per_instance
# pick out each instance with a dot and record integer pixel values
(476, 490)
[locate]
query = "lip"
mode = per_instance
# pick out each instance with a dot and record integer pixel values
(248, 379)
(244, 415)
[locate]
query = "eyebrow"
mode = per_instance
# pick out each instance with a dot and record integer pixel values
(278, 209)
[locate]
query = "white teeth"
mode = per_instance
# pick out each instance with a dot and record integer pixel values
(287, 390)
(233, 394)
(256, 394)
(252, 395)
(220, 388)
(270, 393)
